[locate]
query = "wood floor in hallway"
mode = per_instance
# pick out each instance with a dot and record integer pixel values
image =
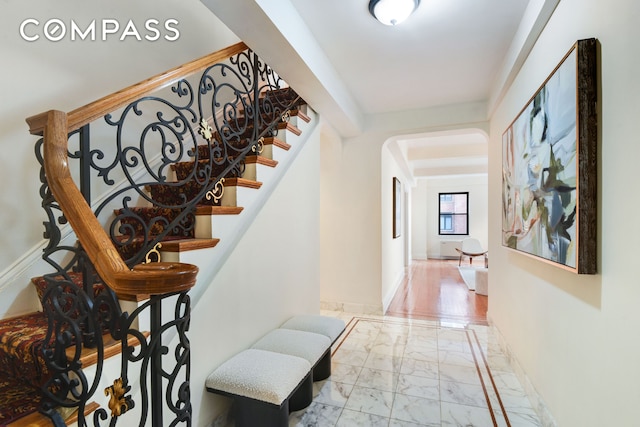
(434, 290)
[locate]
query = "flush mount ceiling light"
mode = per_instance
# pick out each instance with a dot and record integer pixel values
(392, 12)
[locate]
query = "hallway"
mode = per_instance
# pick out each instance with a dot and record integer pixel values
(431, 361)
(434, 290)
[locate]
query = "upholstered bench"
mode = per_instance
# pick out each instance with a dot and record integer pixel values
(266, 386)
(314, 348)
(330, 327)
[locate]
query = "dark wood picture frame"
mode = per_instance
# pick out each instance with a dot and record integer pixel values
(397, 207)
(550, 163)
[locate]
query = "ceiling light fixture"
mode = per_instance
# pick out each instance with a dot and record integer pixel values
(392, 12)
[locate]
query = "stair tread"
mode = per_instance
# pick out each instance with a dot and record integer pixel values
(36, 419)
(261, 160)
(301, 115)
(277, 142)
(22, 338)
(218, 210)
(242, 182)
(19, 399)
(184, 245)
(89, 356)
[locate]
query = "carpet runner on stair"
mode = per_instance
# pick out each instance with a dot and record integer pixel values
(22, 369)
(138, 226)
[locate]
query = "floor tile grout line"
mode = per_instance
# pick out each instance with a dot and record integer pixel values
(470, 335)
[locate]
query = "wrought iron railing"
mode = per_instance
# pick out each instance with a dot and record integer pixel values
(173, 150)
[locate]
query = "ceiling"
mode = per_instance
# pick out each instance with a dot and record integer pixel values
(447, 52)
(355, 70)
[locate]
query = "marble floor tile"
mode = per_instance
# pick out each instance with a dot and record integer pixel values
(424, 355)
(350, 418)
(421, 368)
(412, 385)
(381, 380)
(465, 416)
(421, 345)
(331, 392)
(316, 415)
(347, 374)
(417, 410)
(458, 373)
(463, 394)
(357, 344)
(350, 357)
(383, 362)
(523, 420)
(399, 423)
(456, 358)
(392, 372)
(371, 401)
(389, 349)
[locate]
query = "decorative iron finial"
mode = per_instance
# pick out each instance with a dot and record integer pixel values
(118, 402)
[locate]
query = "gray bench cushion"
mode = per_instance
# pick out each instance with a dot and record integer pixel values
(307, 345)
(330, 327)
(261, 375)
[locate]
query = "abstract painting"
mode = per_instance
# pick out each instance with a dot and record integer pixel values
(549, 172)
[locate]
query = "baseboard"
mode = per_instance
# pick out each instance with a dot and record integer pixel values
(546, 418)
(386, 301)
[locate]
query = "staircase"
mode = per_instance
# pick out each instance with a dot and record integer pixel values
(178, 213)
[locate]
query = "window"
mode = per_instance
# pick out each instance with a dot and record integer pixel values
(453, 210)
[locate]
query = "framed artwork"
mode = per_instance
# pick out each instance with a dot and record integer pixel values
(549, 167)
(397, 207)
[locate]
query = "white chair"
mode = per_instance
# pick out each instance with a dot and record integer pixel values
(472, 248)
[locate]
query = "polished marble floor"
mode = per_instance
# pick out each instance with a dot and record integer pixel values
(397, 372)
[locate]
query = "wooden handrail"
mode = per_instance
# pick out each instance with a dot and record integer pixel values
(90, 112)
(145, 279)
(55, 126)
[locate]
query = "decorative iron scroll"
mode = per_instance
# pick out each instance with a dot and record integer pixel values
(152, 162)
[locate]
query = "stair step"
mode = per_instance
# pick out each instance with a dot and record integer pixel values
(188, 245)
(241, 182)
(89, 356)
(22, 370)
(218, 210)
(18, 399)
(185, 170)
(36, 419)
(275, 141)
(20, 348)
(261, 160)
(241, 140)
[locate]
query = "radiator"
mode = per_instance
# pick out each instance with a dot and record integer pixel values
(448, 248)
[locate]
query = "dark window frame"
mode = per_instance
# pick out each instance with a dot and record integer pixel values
(449, 197)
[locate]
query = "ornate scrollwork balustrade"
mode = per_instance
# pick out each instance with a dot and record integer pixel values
(151, 159)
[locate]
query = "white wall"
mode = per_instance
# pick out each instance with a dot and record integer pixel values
(476, 185)
(393, 249)
(352, 205)
(42, 75)
(419, 213)
(272, 274)
(575, 336)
